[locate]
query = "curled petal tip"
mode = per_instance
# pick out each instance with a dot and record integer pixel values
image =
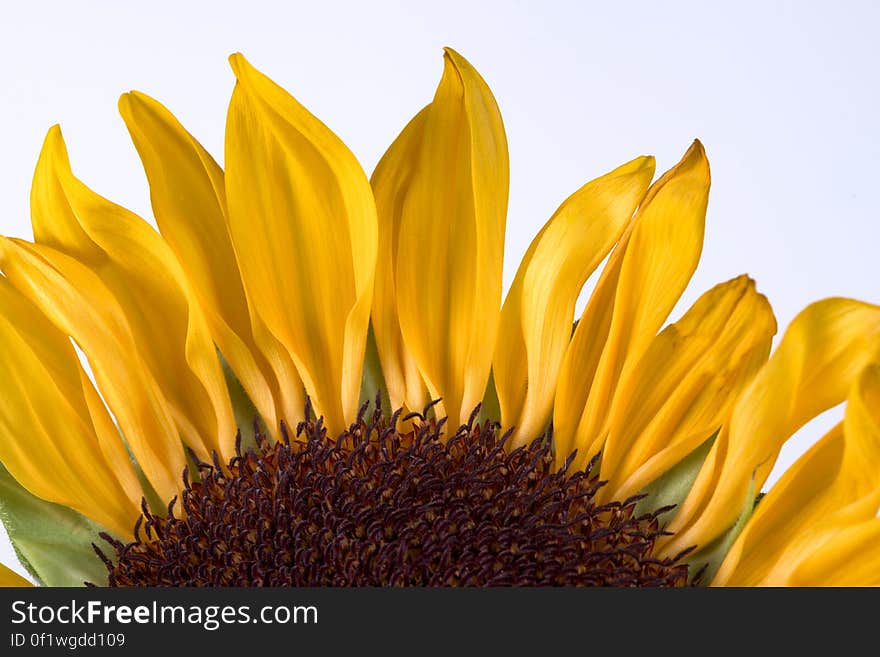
(238, 62)
(124, 102)
(133, 101)
(646, 162)
(132, 95)
(54, 146)
(695, 160)
(696, 150)
(54, 133)
(746, 281)
(453, 59)
(643, 164)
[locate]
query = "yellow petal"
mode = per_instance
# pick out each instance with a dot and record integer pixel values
(451, 239)
(582, 358)
(537, 315)
(56, 438)
(831, 488)
(189, 203)
(9, 578)
(849, 558)
(860, 469)
(80, 305)
(392, 176)
(643, 280)
(821, 354)
(684, 386)
(780, 515)
(148, 284)
(303, 225)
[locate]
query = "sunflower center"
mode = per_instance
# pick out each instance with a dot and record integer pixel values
(382, 507)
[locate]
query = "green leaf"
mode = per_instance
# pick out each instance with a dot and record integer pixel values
(53, 542)
(673, 486)
(713, 555)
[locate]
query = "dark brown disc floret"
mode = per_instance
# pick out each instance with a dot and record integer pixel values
(394, 502)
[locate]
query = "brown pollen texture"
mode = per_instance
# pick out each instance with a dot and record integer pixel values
(393, 502)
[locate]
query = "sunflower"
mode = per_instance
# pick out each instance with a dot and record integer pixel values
(309, 377)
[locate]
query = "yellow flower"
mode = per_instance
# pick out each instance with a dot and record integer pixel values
(292, 283)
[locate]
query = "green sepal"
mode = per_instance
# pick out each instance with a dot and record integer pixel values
(707, 561)
(154, 503)
(490, 408)
(52, 541)
(242, 407)
(372, 378)
(673, 486)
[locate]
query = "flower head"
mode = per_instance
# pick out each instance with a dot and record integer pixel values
(610, 449)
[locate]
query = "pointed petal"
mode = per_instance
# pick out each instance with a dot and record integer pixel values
(78, 304)
(9, 577)
(392, 177)
(646, 276)
(303, 224)
(56, 441)
(145, 279)
(831, 488)
(189, 203)
(451, 240)
(537, 315)
(821, 354)
(684, 386)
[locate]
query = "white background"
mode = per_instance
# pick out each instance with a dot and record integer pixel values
(784, 95)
